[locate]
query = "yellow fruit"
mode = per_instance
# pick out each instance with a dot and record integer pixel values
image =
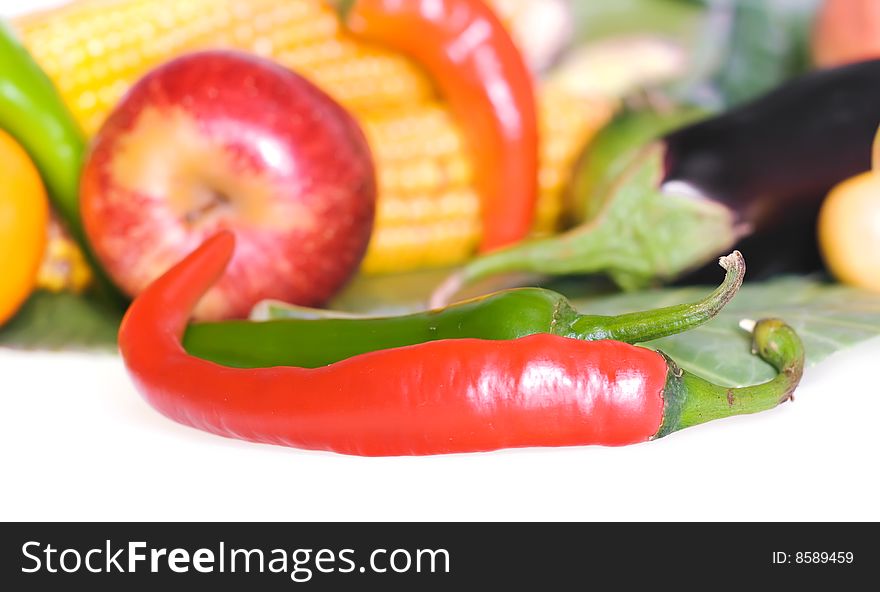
(24, 215)
(875, 152)
(849, 231)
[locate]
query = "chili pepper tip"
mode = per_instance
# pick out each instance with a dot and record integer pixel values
(224, 237)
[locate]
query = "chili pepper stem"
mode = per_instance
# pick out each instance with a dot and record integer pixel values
(640, 327)
(691, 400)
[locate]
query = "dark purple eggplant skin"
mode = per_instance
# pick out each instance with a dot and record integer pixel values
(780, 154)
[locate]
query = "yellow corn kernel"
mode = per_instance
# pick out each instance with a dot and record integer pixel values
(428, 213)
(64, 268)
(568, 123)
(422, 163)
(95, 49)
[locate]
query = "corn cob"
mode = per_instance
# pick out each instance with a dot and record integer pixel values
(428, 211)
(64, 268)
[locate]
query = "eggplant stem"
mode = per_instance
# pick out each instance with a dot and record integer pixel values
(646, 231)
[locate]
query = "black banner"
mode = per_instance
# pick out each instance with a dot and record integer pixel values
(407, 556)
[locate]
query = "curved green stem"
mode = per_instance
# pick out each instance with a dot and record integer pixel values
(639, 327)
(691, 400)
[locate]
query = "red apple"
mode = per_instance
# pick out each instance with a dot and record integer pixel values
(222, 140)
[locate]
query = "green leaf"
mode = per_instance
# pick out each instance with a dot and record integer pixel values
(61, 321)
(828, 317)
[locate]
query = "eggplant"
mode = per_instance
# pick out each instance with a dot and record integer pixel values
(786, 150)
(754, 176)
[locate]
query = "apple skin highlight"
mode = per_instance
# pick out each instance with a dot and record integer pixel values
(222, 140)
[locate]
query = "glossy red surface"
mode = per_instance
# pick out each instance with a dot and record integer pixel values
(447, 396)
(481, 73)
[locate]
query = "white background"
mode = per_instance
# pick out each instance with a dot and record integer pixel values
(78, 443)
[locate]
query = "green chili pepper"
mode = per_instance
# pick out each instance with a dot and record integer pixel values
(503, 315)
(32, 111)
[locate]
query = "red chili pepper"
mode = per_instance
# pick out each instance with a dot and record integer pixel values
(485, 79)
(447, 396)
